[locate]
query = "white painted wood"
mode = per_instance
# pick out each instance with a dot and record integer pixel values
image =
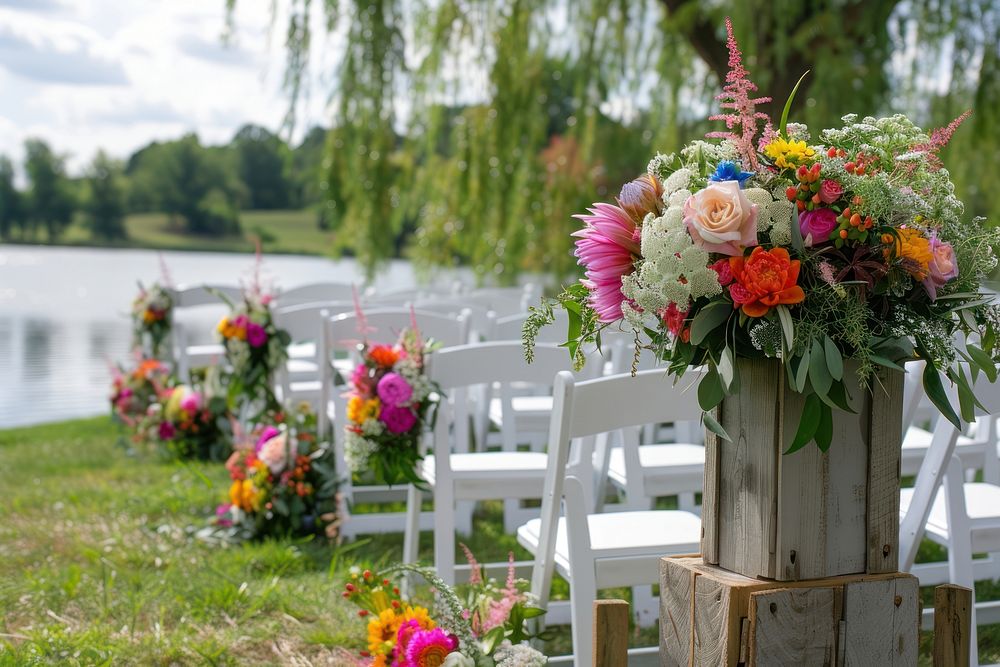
(315, 293)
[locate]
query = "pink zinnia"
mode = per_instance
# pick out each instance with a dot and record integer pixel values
(256, 335)
(397, 420)
(394, 390)
(429, 648)
(167, 431)
(607, 248)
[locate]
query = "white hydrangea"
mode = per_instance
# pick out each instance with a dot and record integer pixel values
(357, 451)
(679, 180)
(678, 198)
(372, 428)
(517, 655)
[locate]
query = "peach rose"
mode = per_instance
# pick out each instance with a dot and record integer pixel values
(721, 219)
(274, 453)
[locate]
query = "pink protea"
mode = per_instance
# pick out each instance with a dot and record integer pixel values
(607, 248)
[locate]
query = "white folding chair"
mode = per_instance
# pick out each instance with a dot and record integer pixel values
(480, 317)
(299, 376)
(314, 293)
(962, 516)
(453, 472)
(595, 551)
(340, 338)
(187, 354)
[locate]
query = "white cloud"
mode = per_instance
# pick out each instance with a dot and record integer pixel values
(92, 74)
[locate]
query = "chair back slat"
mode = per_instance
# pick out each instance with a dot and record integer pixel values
(314, 292)
(481, 363)
(188, 296)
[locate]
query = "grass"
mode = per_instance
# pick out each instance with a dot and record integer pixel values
(100, 565)
(293, 231)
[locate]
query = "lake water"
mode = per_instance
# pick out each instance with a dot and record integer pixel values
(64, 315)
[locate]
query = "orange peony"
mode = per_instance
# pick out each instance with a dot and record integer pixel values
(765, 279)
(383, 355)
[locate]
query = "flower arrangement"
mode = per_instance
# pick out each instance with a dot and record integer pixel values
(485, 630)
(190, 421)
(812, 250)
(255, 349)
(387, 408)
(134, 391)
(152, 318)
(282, 483)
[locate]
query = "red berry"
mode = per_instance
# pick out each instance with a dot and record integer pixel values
(791, 192)
(849, 167)
(815, 199)
(362, 613)
(832, 152)
(802, 205)
(843, 233)
(802, 172)
(855, 220)
(367, 574)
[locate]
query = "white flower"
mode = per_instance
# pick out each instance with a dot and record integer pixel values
(679, 180)
(456, 659)
(518, 655)
(357, 451)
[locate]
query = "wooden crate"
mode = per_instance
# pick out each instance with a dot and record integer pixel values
(808, 514)
(713, 617)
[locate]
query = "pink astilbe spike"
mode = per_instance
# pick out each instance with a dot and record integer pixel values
(475, 570)
(735, 95)
(939, 139)
(767, 136)
(499, 610)
(362, 326)
(165, 271)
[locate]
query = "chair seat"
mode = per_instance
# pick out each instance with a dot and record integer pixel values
(302, 350)
(982, 506)
(918, 440)
(493, 475)
(530, 412)
(660, 462)
(208, 350)
(301, 367)
(623, 534)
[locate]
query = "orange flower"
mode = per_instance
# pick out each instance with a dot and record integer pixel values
(913, 250)
(383, 355)
(765, 279)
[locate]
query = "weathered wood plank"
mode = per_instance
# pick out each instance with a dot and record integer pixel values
(710, 494)
(952, 624)
(821, 496)
(610, 647)
(880, 627)
(884, 453)
(905, 628)
(793, 626)
(676, 608)
(748, 471)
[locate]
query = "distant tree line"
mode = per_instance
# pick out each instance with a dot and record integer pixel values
(202, 189)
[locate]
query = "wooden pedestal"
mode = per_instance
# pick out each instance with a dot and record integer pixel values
(711, 617)
(808, 514)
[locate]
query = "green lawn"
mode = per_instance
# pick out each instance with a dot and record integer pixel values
(280, 231)
(99, 565)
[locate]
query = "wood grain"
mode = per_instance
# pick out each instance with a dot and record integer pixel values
(880, 624)
(884, 453)
(610, 647)
(793, 626)
(952, 624)
(710, 493)
(748, 471)
(676, 584)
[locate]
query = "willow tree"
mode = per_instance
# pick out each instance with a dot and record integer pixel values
(473, 129)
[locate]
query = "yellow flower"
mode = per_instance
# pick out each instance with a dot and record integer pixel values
(914, 249)
(243, 494)
(358, 409)
(382, 631)
(789, 154)
(223, 326)
(420, 615)
(148, 316)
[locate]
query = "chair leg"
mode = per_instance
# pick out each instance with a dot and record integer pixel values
(444, 532)
(583, 592)
(411, 534)
(960, 543)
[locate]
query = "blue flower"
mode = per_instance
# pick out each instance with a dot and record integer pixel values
(730, 171)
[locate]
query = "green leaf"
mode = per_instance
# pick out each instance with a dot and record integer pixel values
(787, 328)
(839, 396)
(935, 391)
(573, 331)
(983, 360)
(714, 426)
(824, 431)
(727, 369)
(708, 319)
(788, 105)
(882, 361)
(819, 375)
(803, 372)
(798, 244)
(834, 360)
(710, 392)
(808, 423)
(532, 612)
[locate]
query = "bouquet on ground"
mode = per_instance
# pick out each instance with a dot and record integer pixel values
(191, 421)
(152, 317)
(484, 626)
(255, 350)
(134, 391)
(283, 482)
(388, 407)
(849, 244)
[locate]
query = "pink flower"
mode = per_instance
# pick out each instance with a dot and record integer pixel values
(816, 225)
(674, 318)
(429, 648)
(167, 431)
(256, 335)
(394, 390)
(721, 219)
(607, 247)
(222, 515)
(830, 191)
(361, 380)
(191, 403)
(396, 419)
(725, 273)
(942, 266)
(274, 453)
(739, 294)
(240, 321)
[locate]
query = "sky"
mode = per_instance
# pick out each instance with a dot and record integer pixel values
(116, 74)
